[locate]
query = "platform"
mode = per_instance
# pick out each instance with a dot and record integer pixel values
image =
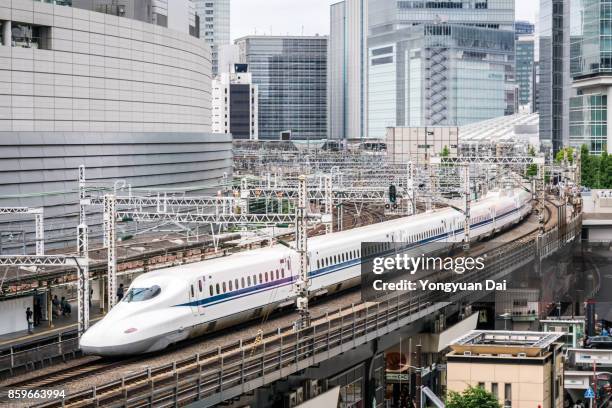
(61, 324)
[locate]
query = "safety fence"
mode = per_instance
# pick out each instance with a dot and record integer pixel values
(211, 378)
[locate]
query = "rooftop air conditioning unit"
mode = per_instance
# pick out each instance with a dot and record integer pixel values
(290, 400)
(299, 395)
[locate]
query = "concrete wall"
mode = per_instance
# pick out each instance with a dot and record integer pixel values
(13, 316)
(102, 73)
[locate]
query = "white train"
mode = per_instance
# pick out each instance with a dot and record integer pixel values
(173, 304)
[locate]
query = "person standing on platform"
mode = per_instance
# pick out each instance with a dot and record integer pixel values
(120, 292)
(29, 319)
(37, 312)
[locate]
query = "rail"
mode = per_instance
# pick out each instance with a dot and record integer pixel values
(213, 377)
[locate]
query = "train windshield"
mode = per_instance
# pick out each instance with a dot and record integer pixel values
(140, 294)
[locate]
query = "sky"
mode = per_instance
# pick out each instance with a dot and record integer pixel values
(308, 17)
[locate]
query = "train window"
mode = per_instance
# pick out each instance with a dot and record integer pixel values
(282, 273)
(318, 264)
(277, 275)
(261, 278)
(141, 294)
(266, 275)
(236, 285)
(249, 280)
(224, 287)
(230, 285)
(200, 285)
(243, 285)
(218, 289)
(192, 291)
(210, 289)
(254, 279)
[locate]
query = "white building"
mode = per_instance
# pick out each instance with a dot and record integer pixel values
(234, 104)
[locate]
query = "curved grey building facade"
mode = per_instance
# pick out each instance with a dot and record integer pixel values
(127, 99)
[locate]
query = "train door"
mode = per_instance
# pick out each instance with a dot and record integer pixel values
(201, 295)
(193, 298)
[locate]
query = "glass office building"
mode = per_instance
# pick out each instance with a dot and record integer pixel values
(525, 47)
(291, 73)
(214, 26)
(347, 70)
(591, 70)
(438, 74)
(439, 62)
(523, 28)
(554, 77)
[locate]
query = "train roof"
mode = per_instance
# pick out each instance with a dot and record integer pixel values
(245, 259)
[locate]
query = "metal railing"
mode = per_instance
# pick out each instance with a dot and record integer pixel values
(39, 352)
(233, 370)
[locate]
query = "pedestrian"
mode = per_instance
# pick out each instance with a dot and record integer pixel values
(37, 312)
(63, 306)
(29, 319)
(56, 305)
(120, 293)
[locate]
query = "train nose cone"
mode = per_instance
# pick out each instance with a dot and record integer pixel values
(104, 341)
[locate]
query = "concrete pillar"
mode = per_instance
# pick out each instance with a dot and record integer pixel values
(49, 305)
(609, 120)
(6, 33)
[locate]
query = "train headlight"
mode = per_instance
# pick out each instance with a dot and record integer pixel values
(130, 330)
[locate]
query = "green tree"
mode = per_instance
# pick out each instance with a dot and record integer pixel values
(445, 151)
(532, 170)
(605, 170)
(586, 164)
(473, 397)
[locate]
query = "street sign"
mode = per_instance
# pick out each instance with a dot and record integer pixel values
(589, 394)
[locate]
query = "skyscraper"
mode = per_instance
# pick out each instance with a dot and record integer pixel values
(214, 26)
(438, 74)
(291, 72)
(591, 69)
(522, 27)
(554, 86)
(347, 70)
(524, 69)
(438, 63)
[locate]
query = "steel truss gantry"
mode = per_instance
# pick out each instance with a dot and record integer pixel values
(80, 263)
(39, 220)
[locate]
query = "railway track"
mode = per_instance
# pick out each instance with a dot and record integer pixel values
(62, 377)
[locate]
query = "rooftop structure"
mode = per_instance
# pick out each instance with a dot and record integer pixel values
(520, 368)
(504, 343)
(502, 129)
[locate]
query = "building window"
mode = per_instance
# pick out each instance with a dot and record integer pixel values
(507, 395)
(481, 385)
(495, 390)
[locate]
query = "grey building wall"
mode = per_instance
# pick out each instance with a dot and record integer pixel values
(41, 169)
(127, 99)
(95, 72)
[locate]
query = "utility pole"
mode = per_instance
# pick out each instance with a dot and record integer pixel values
(329, 205)
(110, 235)
(541, 197)
(468, 201)
(301, 240)
(419, 375)
(83, 292)
(83, 279)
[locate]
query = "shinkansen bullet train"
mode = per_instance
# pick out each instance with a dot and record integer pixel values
(173, 304)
